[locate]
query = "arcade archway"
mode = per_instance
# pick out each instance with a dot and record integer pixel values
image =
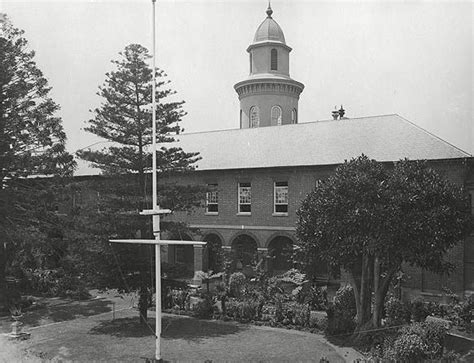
(244, 249)
(214, 252)
(280, 250)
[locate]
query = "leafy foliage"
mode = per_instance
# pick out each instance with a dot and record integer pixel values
(398, 313)
(125, 118)
(32, 138)
(369, 219)
(417, 342)
(32, 142)
(342, 313)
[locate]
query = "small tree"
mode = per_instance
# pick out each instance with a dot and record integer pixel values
(125, 119)
(370, 219)
(32, 142)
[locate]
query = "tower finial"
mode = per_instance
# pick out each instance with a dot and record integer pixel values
(269, 10)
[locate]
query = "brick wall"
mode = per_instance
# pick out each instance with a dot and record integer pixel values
(263, 226)
(262, 223)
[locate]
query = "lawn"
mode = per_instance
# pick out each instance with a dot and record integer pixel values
(87, 331)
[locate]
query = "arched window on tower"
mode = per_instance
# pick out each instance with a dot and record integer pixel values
(250, 62)
(240, 118)
(276, 115)
(273, 60)
(294, 116)
(254, 117)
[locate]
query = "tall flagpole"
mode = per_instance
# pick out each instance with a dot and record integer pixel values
(156, 217)
(155, 212)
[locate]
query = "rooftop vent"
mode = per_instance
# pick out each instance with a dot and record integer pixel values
(338, 114)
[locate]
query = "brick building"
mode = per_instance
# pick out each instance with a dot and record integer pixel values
(256, 186)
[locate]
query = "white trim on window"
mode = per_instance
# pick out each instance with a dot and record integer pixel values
(280, 198)
(244, 198)
(212, 200)
(276, 115)
(254, 117)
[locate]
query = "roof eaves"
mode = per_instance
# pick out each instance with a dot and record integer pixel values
(435, 136)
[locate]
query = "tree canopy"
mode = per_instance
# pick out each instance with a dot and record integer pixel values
(32, 139)
(125, 119)
(369, 219)
(32, 142)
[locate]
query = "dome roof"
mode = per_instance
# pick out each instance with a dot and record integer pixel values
(269, 30)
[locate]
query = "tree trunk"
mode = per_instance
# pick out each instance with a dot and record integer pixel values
(365, 292)
(3, 265)
(143, 304)
(356, 289)
(376, 316)
(380, 294)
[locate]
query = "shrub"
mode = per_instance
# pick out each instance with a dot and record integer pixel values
(243, 311)
(236, 283)
(9, 297)
(247, 310)
(204, 309)
(314, 296)
(436, 309)
(341, 314)
(179, 298)
(56, 282)
(279, 313)
(344, 300)
(301, 315)
(418, 341)
(176, 270)
(398, 313)
(418, 310)
(461, 314)
(318, 322)
(231, 308)
(408, 347)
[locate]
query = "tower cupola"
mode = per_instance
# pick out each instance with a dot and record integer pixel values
(268, 97)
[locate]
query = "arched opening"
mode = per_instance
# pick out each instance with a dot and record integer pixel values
(294, 116)
(214, 252)
(181, 256)
(273, 60)
(244, 250)
(280, 250)
(250, 62)
(254, 117)
(276, 115)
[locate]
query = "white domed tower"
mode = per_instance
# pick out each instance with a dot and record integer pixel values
(268, 97)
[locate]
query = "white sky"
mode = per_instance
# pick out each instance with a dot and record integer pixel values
(411, 58)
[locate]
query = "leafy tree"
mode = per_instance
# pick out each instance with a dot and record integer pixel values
(370, 219)
(32, 142)
(125, 119)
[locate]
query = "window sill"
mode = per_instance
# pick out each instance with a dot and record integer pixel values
(244, 213)
(280, 214)
(211, 213)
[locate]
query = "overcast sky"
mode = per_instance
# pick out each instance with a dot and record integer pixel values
(410, 58)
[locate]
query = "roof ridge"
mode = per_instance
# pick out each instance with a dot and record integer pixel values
(295, 125)
(434, 136)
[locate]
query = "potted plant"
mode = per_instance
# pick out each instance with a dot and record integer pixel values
(16, 313)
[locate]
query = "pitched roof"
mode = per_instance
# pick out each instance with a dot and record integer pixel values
(383, 138)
